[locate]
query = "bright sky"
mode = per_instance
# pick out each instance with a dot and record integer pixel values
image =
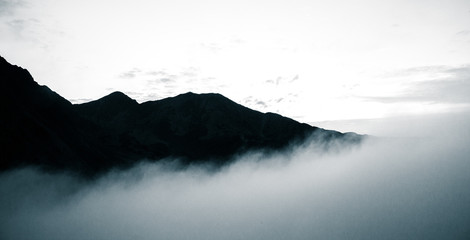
(305, 59)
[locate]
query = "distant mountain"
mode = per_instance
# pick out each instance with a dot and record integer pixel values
(39, 127)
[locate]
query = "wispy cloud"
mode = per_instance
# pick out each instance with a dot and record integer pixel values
(19, 26)
(130, 74)
(212, 47)
(463, 33)
(7, 7)
(33, 30)
(283, 80)
(268, 104)
(442, 84)
(161, 83)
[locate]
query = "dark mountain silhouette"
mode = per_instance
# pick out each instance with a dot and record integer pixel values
(38, 127)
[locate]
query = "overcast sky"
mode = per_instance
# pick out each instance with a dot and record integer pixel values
(309, 60)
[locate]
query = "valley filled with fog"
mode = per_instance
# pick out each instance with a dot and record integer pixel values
(409, 183)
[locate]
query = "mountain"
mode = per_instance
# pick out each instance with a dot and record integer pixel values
(41, 128)
(196, 127)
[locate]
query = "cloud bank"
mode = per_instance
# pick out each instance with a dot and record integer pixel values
(396, 188)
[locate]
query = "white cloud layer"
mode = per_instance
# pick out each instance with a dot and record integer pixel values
(398, 188)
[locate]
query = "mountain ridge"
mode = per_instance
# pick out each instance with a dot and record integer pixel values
(44, 129)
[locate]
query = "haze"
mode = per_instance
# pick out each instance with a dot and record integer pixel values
(395, 188)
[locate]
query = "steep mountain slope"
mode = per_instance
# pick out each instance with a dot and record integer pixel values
(39, 127)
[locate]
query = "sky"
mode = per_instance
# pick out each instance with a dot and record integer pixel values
(313, 61)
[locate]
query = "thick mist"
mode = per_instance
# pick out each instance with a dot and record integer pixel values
(415, 186)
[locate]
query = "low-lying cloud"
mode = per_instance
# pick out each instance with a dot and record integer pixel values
(396, 188)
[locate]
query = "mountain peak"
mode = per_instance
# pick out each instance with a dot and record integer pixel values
(3, 60)
(118, 94)
(107, 107)
(114, 99)
(117, 97)
(14, 76)
(200, 95)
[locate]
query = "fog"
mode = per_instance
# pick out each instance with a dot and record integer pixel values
(412, 186)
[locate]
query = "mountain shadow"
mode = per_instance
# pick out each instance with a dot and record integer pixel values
(41, 128)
